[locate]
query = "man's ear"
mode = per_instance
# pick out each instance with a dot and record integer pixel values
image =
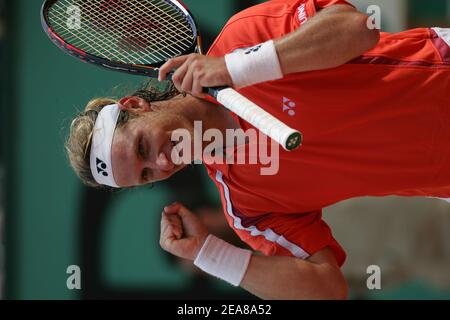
(133, 103)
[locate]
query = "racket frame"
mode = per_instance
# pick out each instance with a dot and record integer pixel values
(150, 70)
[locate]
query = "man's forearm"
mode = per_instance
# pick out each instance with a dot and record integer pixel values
(333, 37)
(291, 278)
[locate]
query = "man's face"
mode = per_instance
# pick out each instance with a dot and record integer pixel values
(141, 150)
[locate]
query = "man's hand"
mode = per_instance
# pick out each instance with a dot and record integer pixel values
(195, 72)
(182, 233)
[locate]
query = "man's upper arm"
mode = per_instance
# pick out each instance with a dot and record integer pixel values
(270, 20)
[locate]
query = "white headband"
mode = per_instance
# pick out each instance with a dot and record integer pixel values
(102, 139)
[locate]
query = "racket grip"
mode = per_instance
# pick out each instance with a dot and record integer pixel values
(287, 137)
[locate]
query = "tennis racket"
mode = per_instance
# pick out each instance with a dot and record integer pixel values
(138, 37)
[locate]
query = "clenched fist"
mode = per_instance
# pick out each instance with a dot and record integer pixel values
(182, 233)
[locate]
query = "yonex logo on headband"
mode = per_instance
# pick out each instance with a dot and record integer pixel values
(102, 167)
(101, 149)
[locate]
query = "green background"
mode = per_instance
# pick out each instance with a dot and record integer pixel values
(41, 91)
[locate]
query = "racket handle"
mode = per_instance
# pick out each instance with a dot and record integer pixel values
(287, 137)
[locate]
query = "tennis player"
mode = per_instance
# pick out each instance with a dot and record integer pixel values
(374, 110)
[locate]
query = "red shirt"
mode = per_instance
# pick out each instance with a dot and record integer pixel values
(378, 125)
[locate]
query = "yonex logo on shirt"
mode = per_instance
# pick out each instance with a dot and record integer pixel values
(289, 106)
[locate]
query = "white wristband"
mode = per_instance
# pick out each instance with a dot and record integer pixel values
(223, 260)
(254, 65)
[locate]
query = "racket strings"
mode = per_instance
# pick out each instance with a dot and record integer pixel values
(134, 6)
(170, 41)
(169, 9)
(74, 38)
(100, 42)
(136, 41)
(134, 32)
(139, 39)
(99, 46)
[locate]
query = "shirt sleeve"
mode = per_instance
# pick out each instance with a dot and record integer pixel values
(269, 20)
(294, 235)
